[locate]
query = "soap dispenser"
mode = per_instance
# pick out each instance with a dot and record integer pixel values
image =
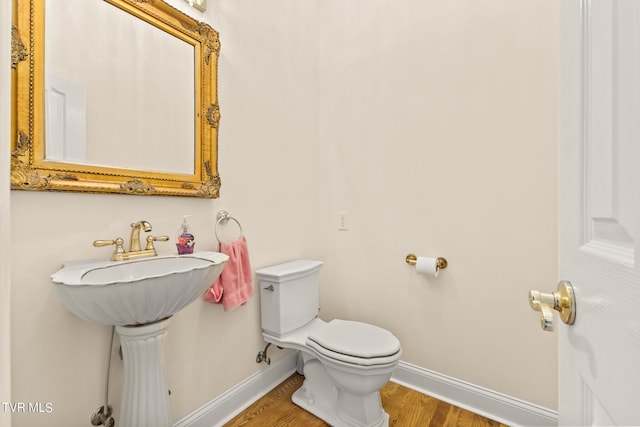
(184, 239)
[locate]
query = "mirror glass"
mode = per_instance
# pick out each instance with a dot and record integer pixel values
(113, 96)
(129, 103)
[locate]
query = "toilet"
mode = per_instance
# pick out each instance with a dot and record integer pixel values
(345, 363)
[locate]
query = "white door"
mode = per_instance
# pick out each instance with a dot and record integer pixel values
(599, 370)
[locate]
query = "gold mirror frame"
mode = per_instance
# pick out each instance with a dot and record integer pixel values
(29, 168)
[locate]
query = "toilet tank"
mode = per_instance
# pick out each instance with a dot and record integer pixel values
(289, 295)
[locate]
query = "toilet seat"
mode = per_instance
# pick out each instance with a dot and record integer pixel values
(355, 343)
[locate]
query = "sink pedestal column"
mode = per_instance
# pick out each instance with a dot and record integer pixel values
(145, 393)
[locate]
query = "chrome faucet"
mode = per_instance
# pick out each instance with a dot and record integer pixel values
(135, 250)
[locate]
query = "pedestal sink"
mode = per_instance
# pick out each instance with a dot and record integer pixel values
(138, 297)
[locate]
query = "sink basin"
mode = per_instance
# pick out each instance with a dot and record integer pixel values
(137, 291)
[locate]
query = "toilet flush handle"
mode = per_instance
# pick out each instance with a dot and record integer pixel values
(269, 288)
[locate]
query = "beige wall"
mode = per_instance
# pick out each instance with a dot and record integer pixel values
(439, 137)
(432, 123)
(5, 274)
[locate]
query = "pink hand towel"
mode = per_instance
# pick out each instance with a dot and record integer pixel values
(235, 284)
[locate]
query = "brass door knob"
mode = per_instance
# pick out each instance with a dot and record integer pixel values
(563, 301)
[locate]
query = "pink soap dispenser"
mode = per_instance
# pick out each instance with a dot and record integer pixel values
(184, 239)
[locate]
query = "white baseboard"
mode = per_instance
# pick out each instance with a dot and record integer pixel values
(496, 406)
(233, 401)
(488, 403)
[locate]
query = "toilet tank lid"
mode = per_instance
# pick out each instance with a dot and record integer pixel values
(289, 270)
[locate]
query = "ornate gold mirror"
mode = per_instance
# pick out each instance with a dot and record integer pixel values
(113, 96)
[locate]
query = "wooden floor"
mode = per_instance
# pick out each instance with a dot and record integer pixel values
(406, 408)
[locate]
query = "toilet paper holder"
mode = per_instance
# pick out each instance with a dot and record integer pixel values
(412, 259)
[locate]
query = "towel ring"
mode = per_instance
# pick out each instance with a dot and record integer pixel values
(222, 218)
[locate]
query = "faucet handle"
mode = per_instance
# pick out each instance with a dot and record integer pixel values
(151, 239)
(119, 242)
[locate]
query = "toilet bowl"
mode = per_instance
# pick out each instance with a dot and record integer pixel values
(345, 363)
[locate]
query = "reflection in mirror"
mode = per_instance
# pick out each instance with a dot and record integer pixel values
(125, 101)
(131, 125)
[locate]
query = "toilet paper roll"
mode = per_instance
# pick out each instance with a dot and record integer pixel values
(427, 265)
